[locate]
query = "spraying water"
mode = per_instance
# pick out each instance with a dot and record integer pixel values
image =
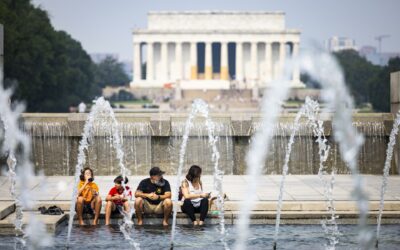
(310, 110)
(389, 155)
(256, 157)
(17, 145)
(329, 224)
(101, 115)
(199, 107)
(323, 68)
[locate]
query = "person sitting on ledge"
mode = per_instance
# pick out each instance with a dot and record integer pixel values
(153, 196)
(118, 199)
(88, 196)
(194, 199)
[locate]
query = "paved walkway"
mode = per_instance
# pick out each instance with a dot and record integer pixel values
(304, 202)
(297, 187)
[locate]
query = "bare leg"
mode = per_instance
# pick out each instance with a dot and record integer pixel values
(79, 210)
(167, 211)
(96, 204)
(110, 206)
(127, 207)
(139, 210)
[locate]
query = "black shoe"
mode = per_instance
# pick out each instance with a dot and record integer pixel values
(42, 210)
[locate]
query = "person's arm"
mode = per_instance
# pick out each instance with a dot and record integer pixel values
(109, 198)
(82, 188)
(166, 195)
(140, 194)
(139, 191)
(95, 190)
(187, 195)
(113, 197)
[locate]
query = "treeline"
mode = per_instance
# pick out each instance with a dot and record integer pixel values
(369, 84)
(48, 69)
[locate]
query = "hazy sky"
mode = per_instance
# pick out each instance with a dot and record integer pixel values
(104, 26)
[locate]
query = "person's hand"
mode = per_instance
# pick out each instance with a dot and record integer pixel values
(205, 195)
(153, 196)
(117, 197)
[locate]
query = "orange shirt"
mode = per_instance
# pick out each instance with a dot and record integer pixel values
(89, 191)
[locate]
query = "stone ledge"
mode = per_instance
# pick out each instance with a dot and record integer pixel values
(6, 208)
(318, 206)
(52, 222)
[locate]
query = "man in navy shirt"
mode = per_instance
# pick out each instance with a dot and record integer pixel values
(153, 196)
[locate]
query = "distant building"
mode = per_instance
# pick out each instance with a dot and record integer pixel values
(213, 49)
(372, 55)
(335, 43)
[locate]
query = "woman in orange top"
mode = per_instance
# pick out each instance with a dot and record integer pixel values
(88, 196)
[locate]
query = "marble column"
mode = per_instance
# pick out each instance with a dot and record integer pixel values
(224, 61)
(193, 61)
(208, 59)
(239, 61)
(164, 61)
(282, 56)
(137, 64)
(178, 60)
(150, 62)
(268, 61)
(296, 71)
(254, 61)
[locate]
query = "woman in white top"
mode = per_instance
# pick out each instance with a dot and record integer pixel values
(195, 200)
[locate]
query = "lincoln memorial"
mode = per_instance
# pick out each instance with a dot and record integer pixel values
(213, 49)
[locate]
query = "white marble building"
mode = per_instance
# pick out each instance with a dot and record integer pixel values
(213, 49)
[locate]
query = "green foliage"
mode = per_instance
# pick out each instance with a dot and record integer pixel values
(358, 72)
(122, 96)
(368, 83)
(49, 70)
(380, 86)
(110, 72)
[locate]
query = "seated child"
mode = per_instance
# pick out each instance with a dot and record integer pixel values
(118, 198)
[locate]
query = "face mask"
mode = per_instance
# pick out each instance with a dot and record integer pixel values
(160, 183)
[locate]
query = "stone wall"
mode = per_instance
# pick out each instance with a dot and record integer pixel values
(155, 139)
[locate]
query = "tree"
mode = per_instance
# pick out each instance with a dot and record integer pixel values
(380, 86)
(357, 72)
(110, 72)
(49, 70)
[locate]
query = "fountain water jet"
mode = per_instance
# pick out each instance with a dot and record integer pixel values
(17, 145)
(386, 168)
(310, 110)
(256, 157)
(103, 111)
(199, 107)
(323, 68)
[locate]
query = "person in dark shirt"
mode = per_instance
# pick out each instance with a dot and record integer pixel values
(153, 196)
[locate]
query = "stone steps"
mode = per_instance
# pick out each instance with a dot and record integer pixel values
(270, 205)
(293, 212)
(52, 222)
